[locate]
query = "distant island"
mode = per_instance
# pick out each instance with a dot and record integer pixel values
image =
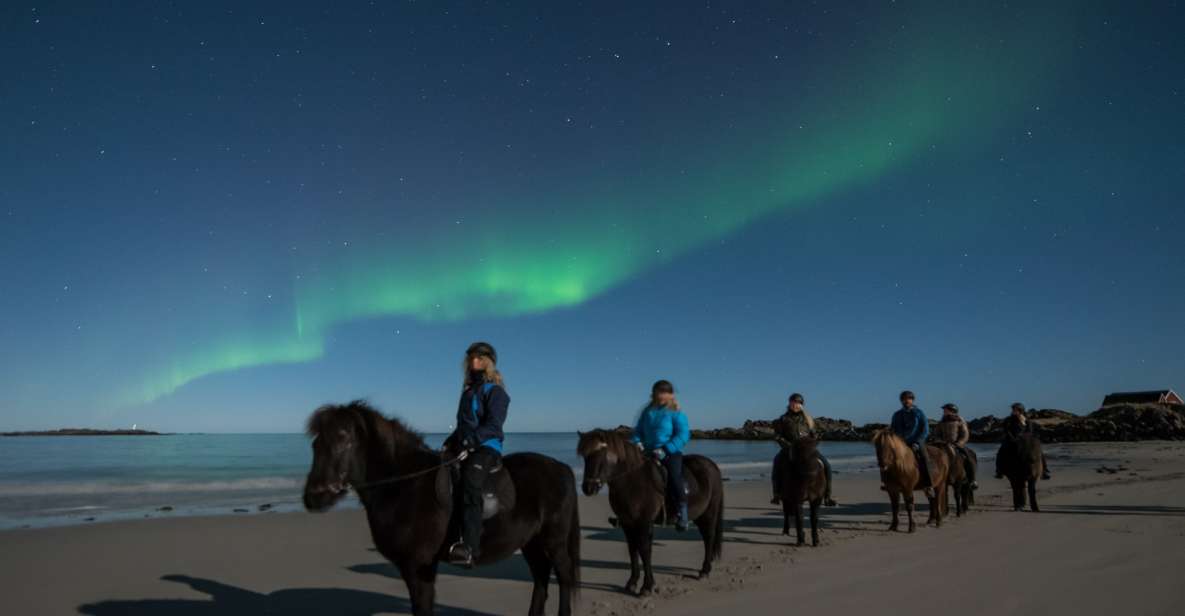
(83, 432)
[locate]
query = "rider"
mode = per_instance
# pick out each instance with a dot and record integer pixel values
(662, 432)
(1015, 425)
(910, 423)
(953, 430)
(793, 425)
(477, 442)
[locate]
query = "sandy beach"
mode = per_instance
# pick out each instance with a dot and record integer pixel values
(1106, 543)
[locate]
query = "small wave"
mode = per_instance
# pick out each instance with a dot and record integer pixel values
(153, 487)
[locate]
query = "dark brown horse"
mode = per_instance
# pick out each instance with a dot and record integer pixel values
(802, 479)
(1021, 461)
(636, 493)
(354, 445)
(900, 475)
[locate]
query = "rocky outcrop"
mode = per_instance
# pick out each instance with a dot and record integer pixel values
(1127, 422)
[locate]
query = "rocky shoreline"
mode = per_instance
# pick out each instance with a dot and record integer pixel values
(1121, 422)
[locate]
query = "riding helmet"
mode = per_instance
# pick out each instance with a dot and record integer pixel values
(951, 406)
(797, 397)
(483, 348)
(663, 386)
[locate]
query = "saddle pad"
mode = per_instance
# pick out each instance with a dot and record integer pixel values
(498, 494)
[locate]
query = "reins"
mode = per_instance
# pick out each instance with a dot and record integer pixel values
(396, 479)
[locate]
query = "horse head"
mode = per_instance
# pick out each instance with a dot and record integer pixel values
(602, 451)
(339, 433)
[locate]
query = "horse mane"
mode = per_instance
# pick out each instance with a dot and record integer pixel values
(373, 427)
(616, 443)
(805, 458)
(903, 461)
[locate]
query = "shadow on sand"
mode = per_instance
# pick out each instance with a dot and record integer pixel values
(233, 601)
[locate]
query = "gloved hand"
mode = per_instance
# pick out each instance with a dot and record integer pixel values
(464, 454)
(641, 447)
(659, 453)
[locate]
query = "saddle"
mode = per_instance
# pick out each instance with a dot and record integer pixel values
(498, 494)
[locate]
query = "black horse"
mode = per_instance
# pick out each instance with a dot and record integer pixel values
(637, 496)
(1021, 461)
(354, 445)
(802, 479)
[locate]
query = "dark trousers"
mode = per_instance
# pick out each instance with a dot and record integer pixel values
(781, 458)
(676, 494)
(474, 471)
(966, 461)
(923, 455)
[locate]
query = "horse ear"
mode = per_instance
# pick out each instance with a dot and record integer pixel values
(579, 433)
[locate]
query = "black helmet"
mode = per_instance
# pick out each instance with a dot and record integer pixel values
(662, 386)
(1017, 405)
(797, 397)
(906, 394)
(483, 348)
(951, 406)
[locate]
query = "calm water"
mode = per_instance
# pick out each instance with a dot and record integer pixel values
(68, 479)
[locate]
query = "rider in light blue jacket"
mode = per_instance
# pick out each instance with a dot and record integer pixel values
(662, 431)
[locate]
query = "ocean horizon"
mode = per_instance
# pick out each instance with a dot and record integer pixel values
(62, 480)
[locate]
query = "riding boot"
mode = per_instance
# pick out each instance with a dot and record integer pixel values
(681, 521)
(923, 465)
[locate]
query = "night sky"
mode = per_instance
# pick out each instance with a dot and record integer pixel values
(215, 217)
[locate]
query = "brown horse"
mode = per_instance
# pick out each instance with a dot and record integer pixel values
(398, 479)
(637, 496)
(802, 479)
(899, 473)
(960, 477)
(1021, 461)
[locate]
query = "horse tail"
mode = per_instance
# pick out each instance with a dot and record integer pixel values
(718, 539)
(574, 542)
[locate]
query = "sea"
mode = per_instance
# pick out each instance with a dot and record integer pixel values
(63, 480)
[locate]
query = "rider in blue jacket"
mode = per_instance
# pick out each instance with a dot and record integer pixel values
(477, 441)
(662, 431)
(910, 423)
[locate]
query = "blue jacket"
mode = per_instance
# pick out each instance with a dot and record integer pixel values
(480, 416)
(911, 425)
(662, 428)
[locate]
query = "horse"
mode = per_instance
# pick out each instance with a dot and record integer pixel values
(960, 479)
(802, 479)
(900, 475)
(398, 478)
(638, 498)
(1021, 461)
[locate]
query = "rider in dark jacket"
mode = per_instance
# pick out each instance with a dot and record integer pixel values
(1015, 425)
(910, 423)
(477, 441)
(793, 425)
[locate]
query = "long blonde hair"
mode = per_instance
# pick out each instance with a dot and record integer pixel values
(492, 375)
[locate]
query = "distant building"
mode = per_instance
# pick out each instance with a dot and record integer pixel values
(1160, 396)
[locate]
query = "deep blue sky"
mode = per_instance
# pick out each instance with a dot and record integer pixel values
(215, 218)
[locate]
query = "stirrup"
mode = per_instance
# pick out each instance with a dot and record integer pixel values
(460, 555)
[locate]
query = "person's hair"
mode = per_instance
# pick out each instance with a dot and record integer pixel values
(491, 370)
(661, 387)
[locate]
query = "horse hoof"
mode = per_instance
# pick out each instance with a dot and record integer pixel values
(645, 592)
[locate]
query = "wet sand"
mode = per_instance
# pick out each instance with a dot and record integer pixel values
(1105, 543)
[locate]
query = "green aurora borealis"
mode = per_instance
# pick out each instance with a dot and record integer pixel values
(945, 81)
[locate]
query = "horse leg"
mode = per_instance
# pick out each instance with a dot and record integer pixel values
(420, 579)
(786, 511)
(909, 510)
(1018, 494)
(815, 522)
(707, 529)
(894, 499)
(647, 570)
(798, 524)
(633, 539)
(1033, 495)
(540, 565)
(958, 489)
